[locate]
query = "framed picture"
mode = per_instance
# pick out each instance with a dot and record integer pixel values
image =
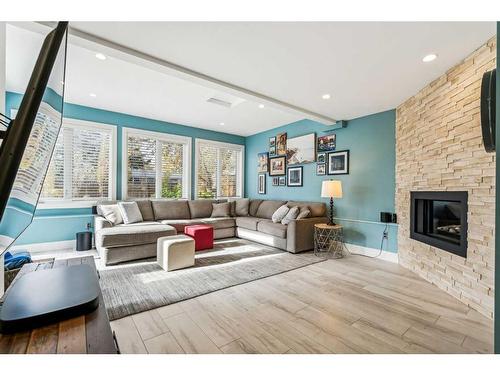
(277, 166)
(272, 142)
(301, 150)
(320, 169)
(295, 176)
(263, 160)
(261, 187)
(272, 151)
(326, 143)
(321, 158)
(282, 181)
(281, 144)
(275, 181)
(338, 162)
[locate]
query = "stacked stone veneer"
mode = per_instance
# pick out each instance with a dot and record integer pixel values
(439, 148)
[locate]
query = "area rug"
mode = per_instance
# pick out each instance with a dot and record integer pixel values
(132, 288)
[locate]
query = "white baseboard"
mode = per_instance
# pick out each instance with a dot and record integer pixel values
(47, 246)
(385, 255)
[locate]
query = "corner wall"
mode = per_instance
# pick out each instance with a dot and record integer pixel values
(439, 147)
(367, 189)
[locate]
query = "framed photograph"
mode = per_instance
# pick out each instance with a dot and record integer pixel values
(263, 160)
(272, 151)
(261, 187)
(321, 158)
(320, 169)
(275, 181)
(281, 144)
(326, 143)
(295, 176)
(272, 142)
(282, 181)
(277, 166)
(338, 162)
(301, 150)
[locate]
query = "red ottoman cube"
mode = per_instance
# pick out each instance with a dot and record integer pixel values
(203, 236)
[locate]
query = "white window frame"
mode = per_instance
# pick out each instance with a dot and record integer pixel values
(49, 203)
(240, 177)
(166, 137)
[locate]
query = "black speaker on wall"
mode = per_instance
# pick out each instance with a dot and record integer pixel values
(488, 111)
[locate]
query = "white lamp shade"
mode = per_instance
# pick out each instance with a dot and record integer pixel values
(331, 189)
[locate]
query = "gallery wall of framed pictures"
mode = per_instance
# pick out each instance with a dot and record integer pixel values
(285, 157)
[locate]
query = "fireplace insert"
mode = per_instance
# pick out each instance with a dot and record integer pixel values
(439, 218)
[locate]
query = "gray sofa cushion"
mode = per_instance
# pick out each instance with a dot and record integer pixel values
(274, 229)
(221, 209)
(268, 208)
(220, 222)
(201, 208)
(165, 209)
(180, 224)
(132, 234)
(247, 222)
(254, 206)
(317, 209)
(239, 207)
(146, 209)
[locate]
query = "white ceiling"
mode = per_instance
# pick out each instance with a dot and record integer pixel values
(366, 67)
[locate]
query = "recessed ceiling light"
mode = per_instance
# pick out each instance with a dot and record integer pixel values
(100, 56)
(221, 124)
(261, 106)
(430, 57)
(92, 95)
(325, 96)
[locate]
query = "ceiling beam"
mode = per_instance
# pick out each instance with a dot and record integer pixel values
(131, 55)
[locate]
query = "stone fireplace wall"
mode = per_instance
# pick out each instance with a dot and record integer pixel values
(438, 148)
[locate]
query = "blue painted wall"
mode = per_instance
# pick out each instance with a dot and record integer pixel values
(368, 188)
(62, 224)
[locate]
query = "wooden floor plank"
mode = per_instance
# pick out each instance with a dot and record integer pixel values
(163, 344)
(189, 336)
(149, 324)
(128, 337)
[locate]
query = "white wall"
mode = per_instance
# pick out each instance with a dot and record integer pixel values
(2, 108)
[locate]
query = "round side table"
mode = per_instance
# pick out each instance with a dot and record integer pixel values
(328, 241)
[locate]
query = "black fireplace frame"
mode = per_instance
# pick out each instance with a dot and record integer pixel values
(455, 196)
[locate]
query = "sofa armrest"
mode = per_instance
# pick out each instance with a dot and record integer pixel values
(300, 234)
(100, 223)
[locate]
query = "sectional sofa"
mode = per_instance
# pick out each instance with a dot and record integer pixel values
(125, 242)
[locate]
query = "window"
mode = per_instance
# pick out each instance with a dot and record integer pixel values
(81, 168)
(219, 169)
(157, 165)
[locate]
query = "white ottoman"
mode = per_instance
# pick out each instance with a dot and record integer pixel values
(175, 252)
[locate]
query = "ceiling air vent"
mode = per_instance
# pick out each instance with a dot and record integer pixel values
(220, 102)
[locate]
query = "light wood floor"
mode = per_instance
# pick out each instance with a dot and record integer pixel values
(352, 305)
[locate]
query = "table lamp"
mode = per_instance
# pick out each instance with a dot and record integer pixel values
(331, 189)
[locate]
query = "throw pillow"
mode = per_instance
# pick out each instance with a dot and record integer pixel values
(303, 214)
(291, 215)
(280, 213)
(130, 212)
(112, 213)
(221, 209)
(241, 207)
